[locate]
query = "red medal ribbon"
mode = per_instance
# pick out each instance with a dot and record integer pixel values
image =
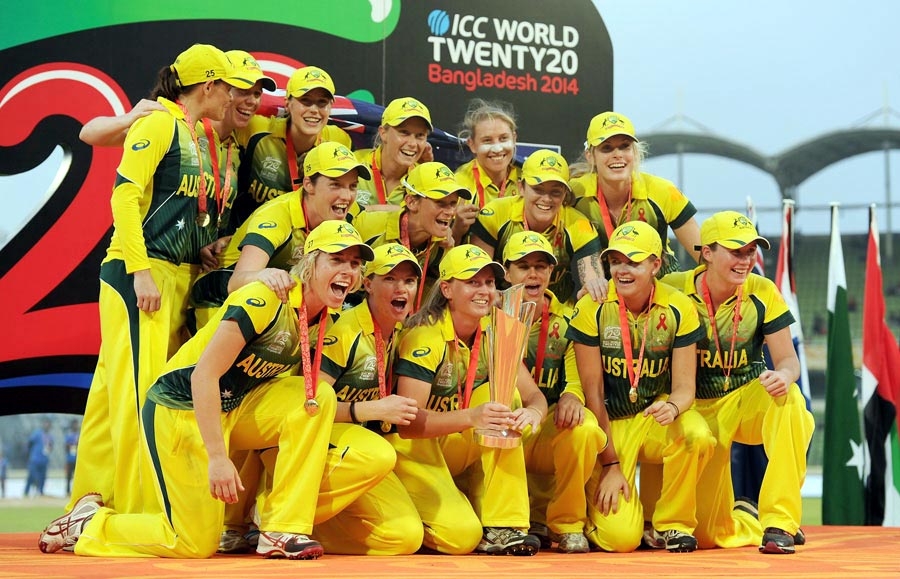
(606, 215)
(736, 319)
(201, 186)
(633, 376)
(404, 240)
(310, 372)
(222, 193)
(385, 375)
(479, 188)
(377, 179)
(292, 162)
(542, 343)
(465, 395)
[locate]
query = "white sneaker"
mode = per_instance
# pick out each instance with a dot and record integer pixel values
(288, 546)
(63, 532)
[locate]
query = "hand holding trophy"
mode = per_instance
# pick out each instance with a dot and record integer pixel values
(506, 338)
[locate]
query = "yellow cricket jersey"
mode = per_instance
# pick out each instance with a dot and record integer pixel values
(380, 227)
(433, 354)
(278, 228)
(673, 323)
(572, 237)
(272, 347)
(367, 194)
(558, 373)
(154, 200)
(654, 200)
(762, 311)
(466, 177)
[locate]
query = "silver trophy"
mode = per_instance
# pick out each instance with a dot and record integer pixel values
(507, 338)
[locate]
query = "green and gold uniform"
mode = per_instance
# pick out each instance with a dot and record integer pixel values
(572, 237)
(654, 200)
(745, 412)
(498, 489)
(682, 447)
(265, 172)
(559, 461)
(484, 191)
(376, 517)
(260, 409)
(367, 193)
(379, 227)
(154, 206)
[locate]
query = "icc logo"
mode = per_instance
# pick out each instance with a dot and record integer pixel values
(439, 22)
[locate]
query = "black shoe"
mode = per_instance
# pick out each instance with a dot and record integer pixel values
(508, 541)
(541, 531)
(673, 541)
(799, 537)
(777, 542)
(747, 505)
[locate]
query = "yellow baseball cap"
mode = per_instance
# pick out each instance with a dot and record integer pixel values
(333, 236)
(389, 256)
(246, 67)
(731, 230)
(204, 62)
(545, 165)
(333, 160)
(464, 261)
(527, 242)
(401, 109)
(306, 79)
(606, 125)
(636, 240)
(435, 181)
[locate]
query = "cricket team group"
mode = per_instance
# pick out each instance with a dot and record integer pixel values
(295, 341)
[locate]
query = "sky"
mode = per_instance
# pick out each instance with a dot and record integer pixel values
(769, 74)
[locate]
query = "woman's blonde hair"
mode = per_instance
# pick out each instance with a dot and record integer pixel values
(639, 149)
(305, 268)
(432, 309)
(481, 110)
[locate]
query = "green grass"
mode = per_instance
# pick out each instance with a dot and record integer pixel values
(26, 519)
(33, 518)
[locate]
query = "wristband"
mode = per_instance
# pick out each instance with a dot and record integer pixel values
(353, 417)
(611, 463)
(675, 406)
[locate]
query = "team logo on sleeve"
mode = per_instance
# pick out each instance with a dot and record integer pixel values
(140, 145)
(256, 302)
(421, 352)
(329, 340)
(279, 342)
(612, 337)
(267, 225)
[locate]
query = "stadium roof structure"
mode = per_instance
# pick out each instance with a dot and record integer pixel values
(790, 167)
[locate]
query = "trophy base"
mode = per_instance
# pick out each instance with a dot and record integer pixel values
(498, 438)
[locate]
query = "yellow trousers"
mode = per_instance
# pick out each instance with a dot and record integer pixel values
(185, 521)
(683, 448)
(559, 464)
(784, 427)
(134, 349)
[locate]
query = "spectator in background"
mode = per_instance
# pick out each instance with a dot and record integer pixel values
(4, 464)
(40, 444)
(71, 442)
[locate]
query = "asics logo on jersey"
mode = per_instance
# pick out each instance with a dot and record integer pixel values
(140, 145)
(256, 302)
(329, 340)
(420, 352)
(267, 225)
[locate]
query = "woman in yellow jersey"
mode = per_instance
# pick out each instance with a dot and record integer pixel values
(400, 144)
(368, 511)
(561, 455)
(636, 356)
(423, 223)
(741, 399)
(489, 130)
(274, 146)
(616, 191)
(164, 208)
(540, 206)
(442, 366)
(224, 390)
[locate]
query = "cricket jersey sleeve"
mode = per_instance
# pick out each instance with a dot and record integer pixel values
(584, 327)
(253, 307)
(419, 353)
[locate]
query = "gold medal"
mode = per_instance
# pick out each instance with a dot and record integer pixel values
(203, 219)
(385, 427)
(632, 395)
(312, 407)
(727, 382)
